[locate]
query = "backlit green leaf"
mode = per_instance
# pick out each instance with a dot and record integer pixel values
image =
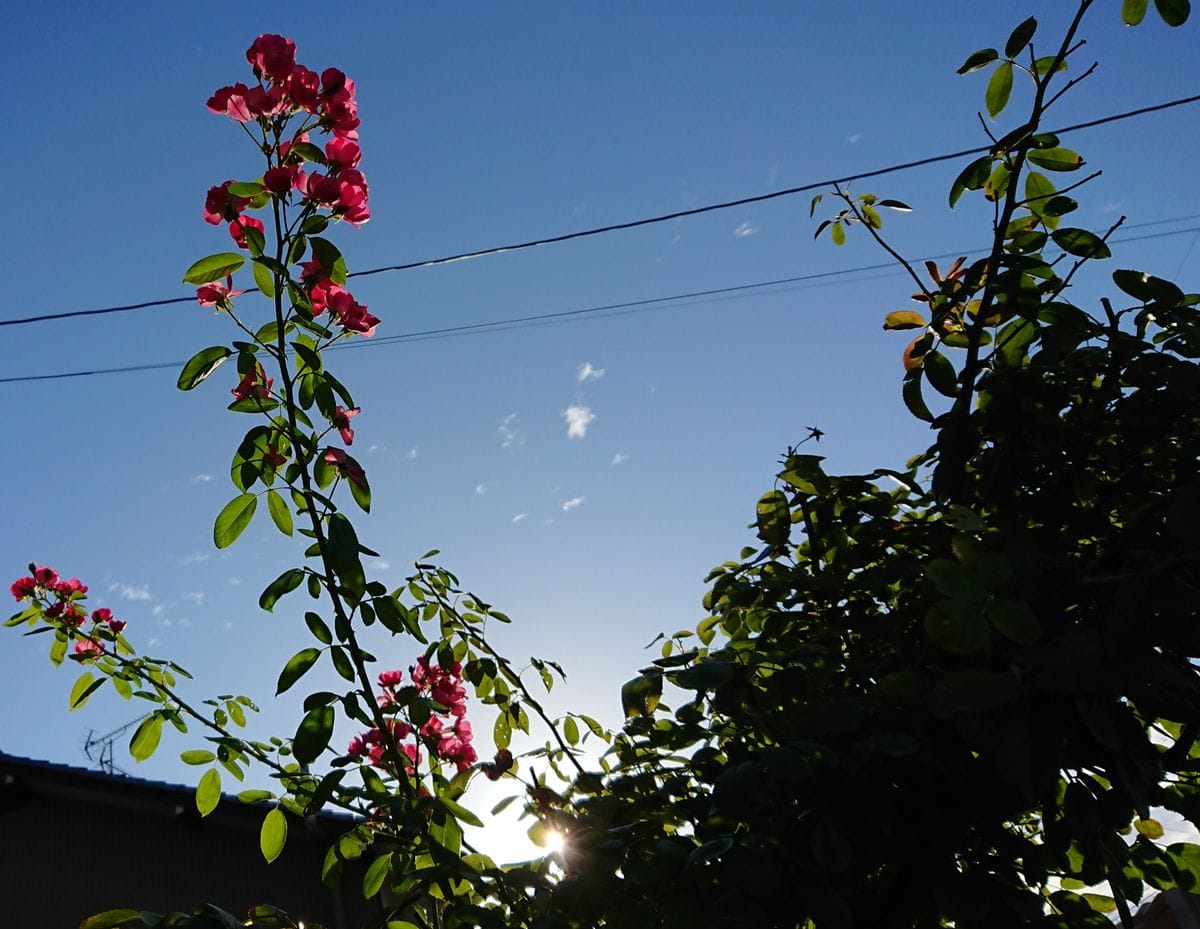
(201, 365)
(213, 268)
(280, 513)
(313, 734)
(208, 791)
(233, 519)
(284, 584)
(1020, 37)
(1082, 243)
(1056, 159)
(979, 59)
(273, 835)
(998, 89)
(146, 737)
(297, 665)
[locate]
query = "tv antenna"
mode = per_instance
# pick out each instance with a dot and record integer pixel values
(102, 745)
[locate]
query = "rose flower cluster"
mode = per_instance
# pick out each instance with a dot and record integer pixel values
(326, 102)
(58, 600)
(447, 735)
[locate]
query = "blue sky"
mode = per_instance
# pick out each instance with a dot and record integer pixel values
(485, 124)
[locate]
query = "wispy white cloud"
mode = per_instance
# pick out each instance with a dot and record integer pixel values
(235, 582)
(380, 565)
(745, 229)
(372, 449)
(587, 372)
(200, 479)
(620, 457)
(158, 610)
(196, 596)
(480, 489)
(853, 137)
(154, 642)
(774, 175)
(578, 419)
(509, 432)
(518, 517)
(129, 592)
(571, 504)
(1109, 206)
(411, 454)
(194, 558)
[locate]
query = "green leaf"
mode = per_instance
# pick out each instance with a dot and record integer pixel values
(213, 268)
(1056, 159)
(264, 279)
(297, 665)
(318, 628)
(898, 205)
(953, 579)
(911, 392)
(774, 518)
(273, 835)
(375, 876)
(1014, 620)
(111, 919)
(838, 234)
(979, 59)
(233, 519)
(254, 796)
(640, 696)
(904, 319)
(330, 258)
(502, 731)
(941, 375)
(279, 512)
(958, 627)
(83, 689)
(288, 581)
(972, 177)
(1012, 342)
(1020, 37)
(208, 791)
(201, 365)
(245, 188)
(306, 151)
(1173, 12)
(1147, 287)
(313, 734)
(197, 756)
(1059, 206)
(998, 89)
(1150, 828)
(1134, 11)
(343, 553)
(1082, 243)
(145, 737)
(571, 730)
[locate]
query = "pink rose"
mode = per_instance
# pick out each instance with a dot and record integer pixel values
(89, 649)
(221, 205)
(217, 294)
(254, 383)
(231, 102)
(102, 615)
(352, 315)
(45, 577)
(341, 421)
(237, 229)
(302, 86)
(342, 153)
(272, 56)
(23, 587)
(390, 678)
(279, 181)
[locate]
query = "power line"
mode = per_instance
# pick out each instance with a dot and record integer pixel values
(631, 224)
(630, 306)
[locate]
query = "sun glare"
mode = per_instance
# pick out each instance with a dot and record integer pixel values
(555, 841)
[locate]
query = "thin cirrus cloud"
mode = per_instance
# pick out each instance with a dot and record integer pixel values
(568, 505)
(578, 419)
(200, 479)
(509, 432)
(745, 229)
(129, 592)
(620, 457)
(588, 372)
(518, 517)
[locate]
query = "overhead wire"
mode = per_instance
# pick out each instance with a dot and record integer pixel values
(609, 309)
(632, 224)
